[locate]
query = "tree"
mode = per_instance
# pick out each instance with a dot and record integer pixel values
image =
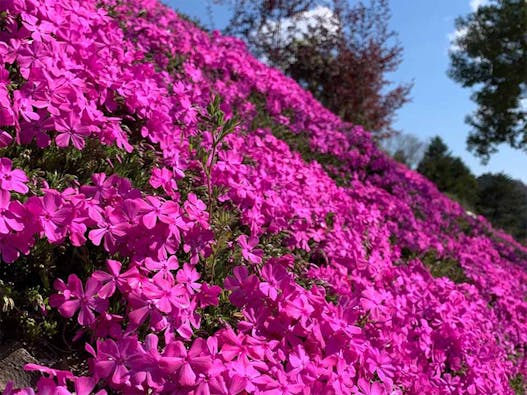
(490, 55)
(449, 173)
(405, 148)
(338, 52)
(503, 201)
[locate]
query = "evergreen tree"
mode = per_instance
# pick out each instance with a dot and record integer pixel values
(490, 54)
(503, 201)
(449, 173)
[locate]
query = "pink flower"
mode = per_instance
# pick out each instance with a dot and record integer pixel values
(164, 268)
(167, 295)
(11, 215)
(155, 209)
(188, 276)
(55, 215)
(71, 130)
(380, 363)
(72, 297)
(24, 105)
(8, 249)
(85, 386)
(368, 388)
(60, 375)
(100, 190)
(12, 180)
(196, 210)
(162, 177)
(114, 360)
(110, 226)
(143, 308)
(186, 365)
(209, 295)
(5, 138)
(244, 372)
(248, 251)
(108, 325)
(242, 285)
(372, 300)
(114, 279)
(275, 276)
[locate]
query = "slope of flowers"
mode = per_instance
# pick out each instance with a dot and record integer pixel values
(227, 234)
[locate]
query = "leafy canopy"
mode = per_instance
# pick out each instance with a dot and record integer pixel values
(449, 173)
(490, 56)
(503, 201)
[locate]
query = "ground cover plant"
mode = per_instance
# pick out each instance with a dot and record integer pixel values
(178, 218)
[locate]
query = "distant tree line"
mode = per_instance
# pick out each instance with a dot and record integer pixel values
(498, 197)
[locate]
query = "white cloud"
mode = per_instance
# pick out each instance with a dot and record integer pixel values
(523, 105)
(475, 4)
(454, 36)
(300, 24)
(281, 32)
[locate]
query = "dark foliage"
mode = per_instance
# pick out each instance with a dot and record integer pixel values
(491, 56)
(503, 201)
(449, 173)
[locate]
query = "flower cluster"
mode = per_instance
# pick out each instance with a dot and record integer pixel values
(286, 256)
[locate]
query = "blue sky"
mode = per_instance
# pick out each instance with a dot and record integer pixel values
(438, 105)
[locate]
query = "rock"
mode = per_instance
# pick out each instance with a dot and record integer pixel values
(12, 368)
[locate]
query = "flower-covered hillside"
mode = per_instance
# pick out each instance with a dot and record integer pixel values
(179, 218)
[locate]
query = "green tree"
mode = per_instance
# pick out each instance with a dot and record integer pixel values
(503, 201)
(449, 173)
(490, 55)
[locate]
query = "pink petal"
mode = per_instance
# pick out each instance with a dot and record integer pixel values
(186, 376)
(96, 236)
(62, 140)
(149, 220)
(69, 308)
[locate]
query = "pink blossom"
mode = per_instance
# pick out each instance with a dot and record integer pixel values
(155, 210)
(54, 215)
(71, 130)
(163, 268)
(162, 177)
(11, 215)
(185, 365)
(367, 388)
(275, 276)
(248, 252)
(114, 279)
(5, 139)
(72, 297)
(114, 360)
(12, 180)
(188, 276)
(346, 304)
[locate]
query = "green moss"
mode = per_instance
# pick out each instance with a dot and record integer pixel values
(26, 284)
(444, 267)
(329, 219)
(214, 318)
(518, 384)
(298, 142)
(65, 167)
